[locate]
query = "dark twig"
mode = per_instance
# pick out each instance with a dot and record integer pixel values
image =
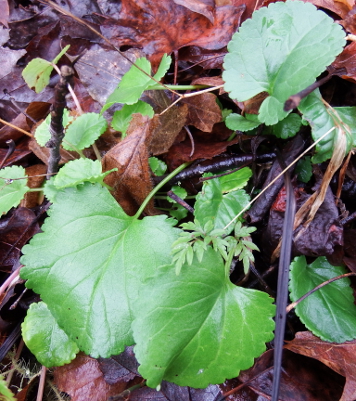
(56, 127)
(180, 201)
(293, 101)
(11, 144)
(234, 161)
(283, 277)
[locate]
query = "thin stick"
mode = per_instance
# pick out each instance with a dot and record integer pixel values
(180, 201)
(16, 128)
(41, 384)
(279, 175)
(191, 140)
(9, 280)
(295, 303)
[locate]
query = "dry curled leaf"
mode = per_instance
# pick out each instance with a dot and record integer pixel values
(132, 182)
(339, 357)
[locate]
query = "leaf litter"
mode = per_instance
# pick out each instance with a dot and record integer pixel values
(196, 34)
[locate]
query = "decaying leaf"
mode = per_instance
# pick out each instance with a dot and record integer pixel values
(166, 27)
(132, 182)
(204, 112)
(339, 357)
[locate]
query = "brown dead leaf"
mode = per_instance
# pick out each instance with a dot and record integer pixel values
(302, 379)
(4, 12)
(203, 111)
(36, 176)
(163, 27)
(341, 7)
(132, 182)
(43, 153)
(339, 357)
(83, 380)
(166, 127)
(205, 7)
(345, 63)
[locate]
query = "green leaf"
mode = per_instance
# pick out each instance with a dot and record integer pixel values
(88, 264)
(304, 169)
(84, 131)
(330, 312)
(73, 173)
(42, 133)
(236, 122)
(162, 69)
(199, 328)
(13, 187)
(322, 118)
(122, 118)
(38, 71)
(288, 127)
(45, 339)
(157, 166)
(212, 205)
(6, 394)
(236, 180)
(280, 50)
(135, 82)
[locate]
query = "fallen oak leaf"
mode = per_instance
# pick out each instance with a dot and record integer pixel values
(339, 357)
(169, 26)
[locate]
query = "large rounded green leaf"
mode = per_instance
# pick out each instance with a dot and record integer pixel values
(280, 50)
(330, 312)
(199, 328)
(45, 339)
(88, 262)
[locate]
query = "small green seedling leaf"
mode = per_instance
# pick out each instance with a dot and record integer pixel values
(84, 131)
(13, 187)
(237, 180)
(45, 339)
(304, 169)
(135, 82)
(322, 118)
(212, 205)
(73, 173)
(5, 393)
(330, 312)
(186, 332)
(88, 264)
(42, 133)
(38, 71)
(158, 167)
(288, 127)
(280, 50)
(236, 122)
(122, 118)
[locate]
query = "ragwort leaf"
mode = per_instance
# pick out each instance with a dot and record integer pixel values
(38, 71)
(84, 131)
(45, 339)
(322, 118)
(201, 328)
(330, 312)
(280, 50)
(88, 262)
(13, 187)
(212, 205)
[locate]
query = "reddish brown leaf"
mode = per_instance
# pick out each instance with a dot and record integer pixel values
(346, 62)
(207, 59)
(349, 21)
(302, 379)
(132, 182)
(163, 27)
(340, 7)
(43, 153)
(205, 7)
(83, 380)
(36, 176)
(339, 357)
(203, 111)
(211, 81)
